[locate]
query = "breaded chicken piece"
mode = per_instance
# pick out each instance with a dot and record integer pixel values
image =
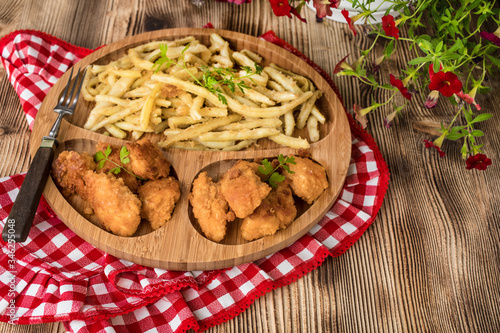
(68, 170)
(147, 160)
(158, 199)
(115, 206)
(243, 189)
(275, 212)
(128, 179)
(210, 208)
(308, 180)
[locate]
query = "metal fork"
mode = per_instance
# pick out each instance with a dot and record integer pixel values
(23, 211)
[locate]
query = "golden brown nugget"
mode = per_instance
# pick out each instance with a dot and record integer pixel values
(114, 205)
(275, 212)
(308, 179)
(129, 180)
(210, 208)
(243, 189)
(68, 170)
(158, 199)
(147, 160)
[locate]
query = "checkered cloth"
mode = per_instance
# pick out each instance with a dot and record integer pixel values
(57, 276)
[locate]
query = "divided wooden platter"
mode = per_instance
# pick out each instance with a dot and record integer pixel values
(179, 245)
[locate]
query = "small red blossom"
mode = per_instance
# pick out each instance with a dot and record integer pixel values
(281, 7)
(294, 11)
(399, 84)
(478, 161)
(345, 13)
(491, 37)
(360, 117)
(446, 83)
(429, 144)
(390, 27)
(342, 64)
(209, 25)
(432, 99)
(468, 99)
(323, 8)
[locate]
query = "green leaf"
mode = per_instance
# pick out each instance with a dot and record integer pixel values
(454, 136)
(389, 48)
(107, 151)
(99, 156)
(456, 47)
(266, 167)
(418, 60)
(123, 154)
(482, 117)
(494, 60)
(477, 133)
(100, 165)
(439, 46)
(275, 179)
(183, 50)
(115, 170)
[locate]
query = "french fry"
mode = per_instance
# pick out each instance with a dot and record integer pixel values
(289, 141)
(270, 112)
(240, 145)
(319, 116)
(148, 107)
(243, 134)
(188, 86)
(198, 129)
(267, 122)
(312, 128)
(307, 108)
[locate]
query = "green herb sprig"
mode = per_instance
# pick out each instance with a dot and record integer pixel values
(101, 158)
(213, 77)
(273, 177)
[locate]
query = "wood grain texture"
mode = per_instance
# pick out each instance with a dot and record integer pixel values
(431, 260)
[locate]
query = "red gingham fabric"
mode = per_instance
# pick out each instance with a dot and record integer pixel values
(59, 277)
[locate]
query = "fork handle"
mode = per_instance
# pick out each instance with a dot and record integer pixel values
(23, 211)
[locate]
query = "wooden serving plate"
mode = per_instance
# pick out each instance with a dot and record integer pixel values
(179, 245)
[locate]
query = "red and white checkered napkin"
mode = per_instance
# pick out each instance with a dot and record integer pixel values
(56, 276)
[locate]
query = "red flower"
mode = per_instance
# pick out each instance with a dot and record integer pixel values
(323, 8)
(478, 161)
(349, 21)
(281, 7)
(399, 84)
(491, 37)
(446, 83)
(390, 27)
(429, 144)
(209, 25)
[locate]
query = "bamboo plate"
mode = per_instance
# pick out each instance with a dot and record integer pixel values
(179, 245)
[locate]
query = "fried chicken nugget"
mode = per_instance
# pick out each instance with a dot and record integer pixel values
(275, 212)
(243, 189)
(115, 206)
(210, 208)
(158, 199)
(128, 179)
(308, 179)
(68, 170)
(147, 160)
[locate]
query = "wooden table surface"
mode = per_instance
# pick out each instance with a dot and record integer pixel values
(431, 260)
